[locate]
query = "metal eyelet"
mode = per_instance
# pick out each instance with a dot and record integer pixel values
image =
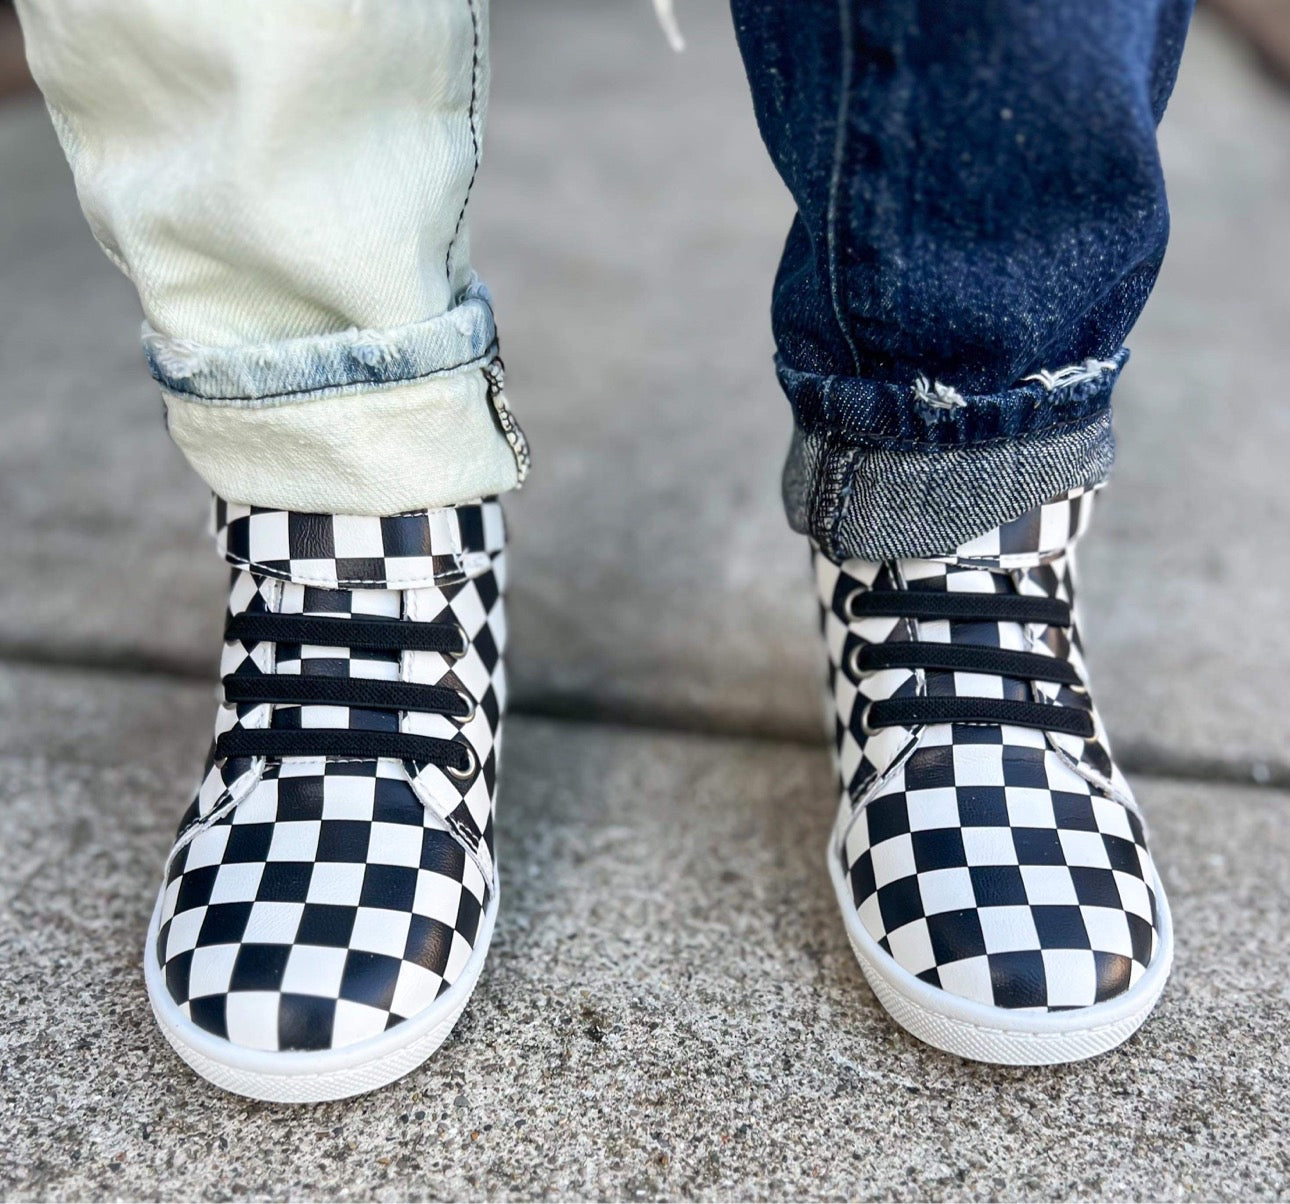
(847, 612)
(853, 664)
(472, 766)
(471, 705)
(864, 720)
(465, 644)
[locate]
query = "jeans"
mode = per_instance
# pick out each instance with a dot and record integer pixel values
(981, 216)
(286, 184)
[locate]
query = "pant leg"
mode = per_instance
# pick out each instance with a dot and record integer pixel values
(286, 184)
(981, 217)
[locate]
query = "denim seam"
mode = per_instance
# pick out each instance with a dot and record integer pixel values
(835, 180)
(820, 483)
(891, 443)
(474, 139)
(336, 389)
(833, 482)
(843, 500)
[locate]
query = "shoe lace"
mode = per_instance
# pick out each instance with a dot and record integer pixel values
(983, 659)
(455, 757)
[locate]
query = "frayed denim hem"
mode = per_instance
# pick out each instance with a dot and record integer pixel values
(924, 414)
(882, 502)
(348, 361)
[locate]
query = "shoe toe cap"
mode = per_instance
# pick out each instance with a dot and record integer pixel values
(1037, 978)
(1045, 956)
(1020, 915)
(291, 954)
(301, 997)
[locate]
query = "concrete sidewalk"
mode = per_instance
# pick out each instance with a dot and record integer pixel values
(653, 1021)
(671, 1008)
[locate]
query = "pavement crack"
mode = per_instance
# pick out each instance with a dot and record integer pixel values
(135, 662)
(1139, 758)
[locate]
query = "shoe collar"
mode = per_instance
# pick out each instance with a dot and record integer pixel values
(1038, 537)
(418, 549)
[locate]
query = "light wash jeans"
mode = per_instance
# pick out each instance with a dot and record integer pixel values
(286, 183)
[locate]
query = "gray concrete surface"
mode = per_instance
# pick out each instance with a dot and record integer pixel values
(629, 223)
(671, 1009)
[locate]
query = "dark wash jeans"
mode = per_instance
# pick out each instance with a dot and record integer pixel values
(981, 218)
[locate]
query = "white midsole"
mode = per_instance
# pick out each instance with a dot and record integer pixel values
(986, 1033)
(310, 1076)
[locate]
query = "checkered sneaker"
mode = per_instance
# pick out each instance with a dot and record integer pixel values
(991, 847)
(321, 911)
(329, 878)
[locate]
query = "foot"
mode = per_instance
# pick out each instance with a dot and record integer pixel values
(989, 858)
(331, 892)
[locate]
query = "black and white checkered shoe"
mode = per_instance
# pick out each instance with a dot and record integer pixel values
(331, 892)
(989, 857)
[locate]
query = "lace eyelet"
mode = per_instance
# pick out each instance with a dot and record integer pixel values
(465, 644)
(472, 766)
(847, 612)
(854, 671)
(864, 720)
(472, 708)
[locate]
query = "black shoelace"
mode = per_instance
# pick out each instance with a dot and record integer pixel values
(966, 658)
(356, 634)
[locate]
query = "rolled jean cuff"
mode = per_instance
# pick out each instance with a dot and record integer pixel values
(351, 360)
(880, 471)
(351, 422)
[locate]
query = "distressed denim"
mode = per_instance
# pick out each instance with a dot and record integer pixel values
(286, 184)
(981, 218)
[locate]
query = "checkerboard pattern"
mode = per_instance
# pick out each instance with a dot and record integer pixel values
(1004, 865)
(312, 902)
(986, 866)
(321, 911)
(1038, 536)
(334, 551)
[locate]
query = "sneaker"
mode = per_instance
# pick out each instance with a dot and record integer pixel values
(329, 899)
(989, 858)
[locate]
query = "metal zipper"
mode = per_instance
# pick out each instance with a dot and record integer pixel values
(495, 374)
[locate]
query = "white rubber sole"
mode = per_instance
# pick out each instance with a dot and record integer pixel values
(985, 1033)
(311, 1076)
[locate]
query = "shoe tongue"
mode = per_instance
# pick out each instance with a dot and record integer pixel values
(312, 660)
(321, 661)
(339, 551)
(1038, 537)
